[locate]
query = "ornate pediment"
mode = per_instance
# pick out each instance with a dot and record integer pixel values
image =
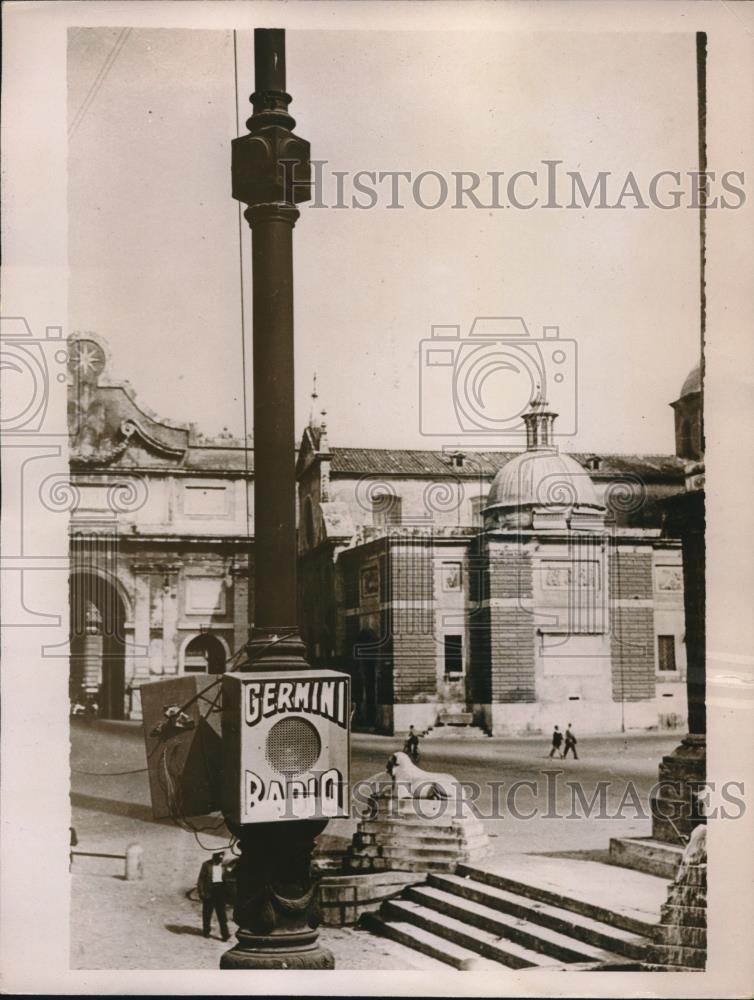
(105, 423)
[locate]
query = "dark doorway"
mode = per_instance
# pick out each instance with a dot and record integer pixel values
(365, 670)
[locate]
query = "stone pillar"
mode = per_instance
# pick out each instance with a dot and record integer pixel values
(140, 664)
(134, 863)
(142, 582)
(170, 620)
(241, 621)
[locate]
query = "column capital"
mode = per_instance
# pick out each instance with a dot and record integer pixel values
(272, 211)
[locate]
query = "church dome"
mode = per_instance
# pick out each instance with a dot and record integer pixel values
(541, 488)
(542, 479)
(693, 382)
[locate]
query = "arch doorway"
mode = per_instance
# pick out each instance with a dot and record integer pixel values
(204, 654)
(97, 677)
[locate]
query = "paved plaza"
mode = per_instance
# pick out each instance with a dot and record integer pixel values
(155, 924)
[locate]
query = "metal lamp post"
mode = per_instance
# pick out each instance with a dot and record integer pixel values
(276, 907)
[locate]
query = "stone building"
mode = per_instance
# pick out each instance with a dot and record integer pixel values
(507, 590)
(160, 527)
(512, 590)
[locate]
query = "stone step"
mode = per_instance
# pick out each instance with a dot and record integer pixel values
(455, 731)
(645, 854)
(425, 810)
(429, 944)
(400, 829)
(485, 943)
(451, 718)
(418, 852)
(522, 929)
(555, 898)
(575, 925)
(357, 863)
(425, 840)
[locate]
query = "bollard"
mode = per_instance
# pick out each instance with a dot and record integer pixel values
(134, 866)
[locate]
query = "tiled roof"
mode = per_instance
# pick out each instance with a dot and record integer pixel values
(411, 462)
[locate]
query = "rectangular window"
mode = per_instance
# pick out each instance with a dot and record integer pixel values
(386, 510)
(453, 655)
(666, 652)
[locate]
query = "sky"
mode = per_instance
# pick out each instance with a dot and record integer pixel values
(156, 262)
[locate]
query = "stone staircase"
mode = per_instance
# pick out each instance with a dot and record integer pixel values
(417, 835)
(473, 919)
(454, 725)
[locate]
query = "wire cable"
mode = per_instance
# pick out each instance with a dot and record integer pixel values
(109, 774)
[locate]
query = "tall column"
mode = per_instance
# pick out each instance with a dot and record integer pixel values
(685, 770)
(276, 907)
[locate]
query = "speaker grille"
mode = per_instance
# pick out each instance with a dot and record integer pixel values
(293, 745)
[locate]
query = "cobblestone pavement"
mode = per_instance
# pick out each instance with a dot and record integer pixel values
(151, 924)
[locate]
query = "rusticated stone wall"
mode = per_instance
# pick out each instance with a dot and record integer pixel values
(681, 943)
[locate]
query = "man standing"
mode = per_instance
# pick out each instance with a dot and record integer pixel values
(570, 743)
(557, 739)
(212, 894)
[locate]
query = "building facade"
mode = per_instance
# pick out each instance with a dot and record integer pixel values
(509, 590)
(512, 591)
(161, 540)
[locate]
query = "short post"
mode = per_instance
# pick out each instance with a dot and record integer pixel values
(134, 863)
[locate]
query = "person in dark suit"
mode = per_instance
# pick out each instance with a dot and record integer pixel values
(212, 894)
(570, 743)
(557, 739)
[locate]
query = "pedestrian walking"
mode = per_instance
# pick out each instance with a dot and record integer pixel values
(411, 746)
(570, 743)
(557, 739)
(212, 894)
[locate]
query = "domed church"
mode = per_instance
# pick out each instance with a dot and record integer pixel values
(499, 590)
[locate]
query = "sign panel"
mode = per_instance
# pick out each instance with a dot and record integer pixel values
(286, 745)
(181, 720)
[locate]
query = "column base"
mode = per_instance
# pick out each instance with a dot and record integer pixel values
(275, 650)
(295, 952)
(277, 906)
(676, 810)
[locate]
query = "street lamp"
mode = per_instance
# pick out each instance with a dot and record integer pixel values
(276, 907)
